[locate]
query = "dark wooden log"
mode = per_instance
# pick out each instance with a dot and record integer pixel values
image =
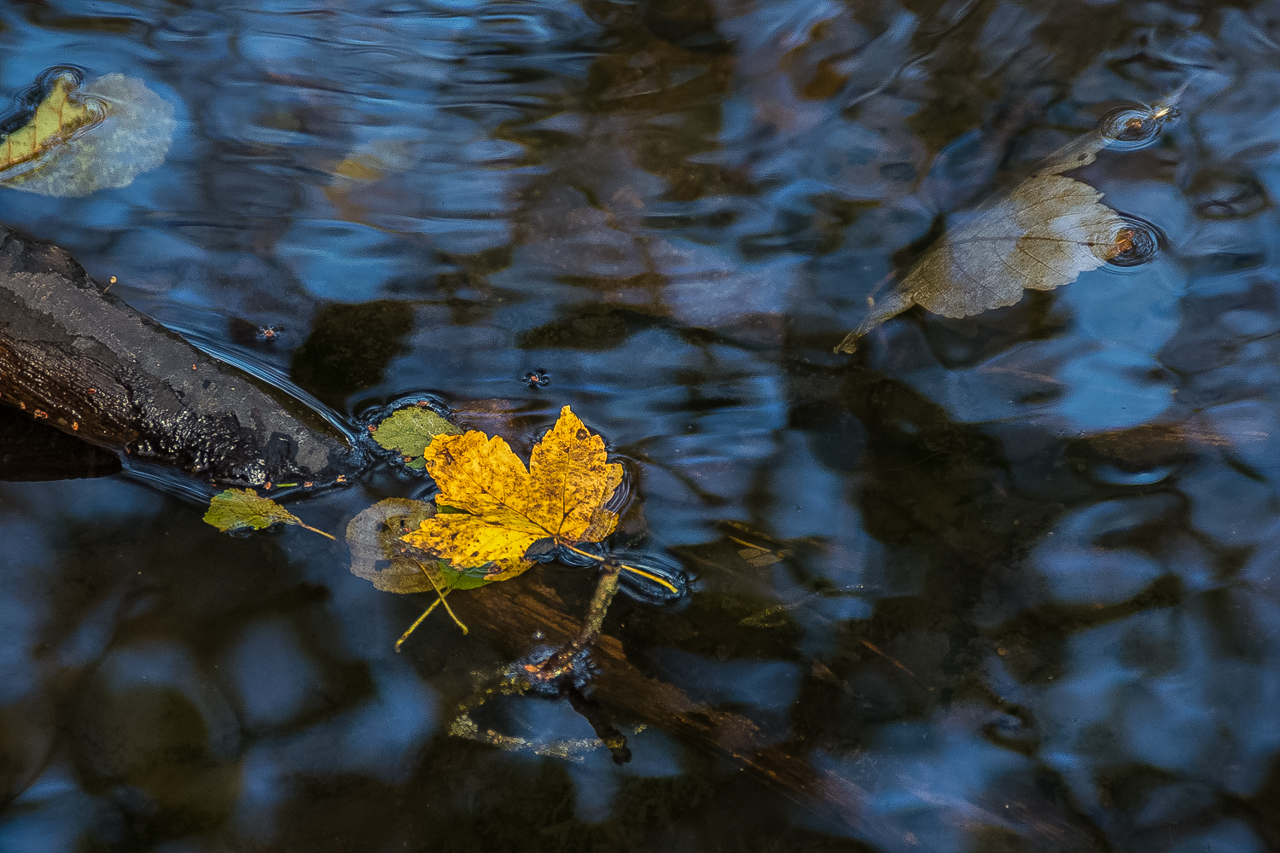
(78, 358)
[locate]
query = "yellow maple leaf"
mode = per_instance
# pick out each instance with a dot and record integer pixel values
(495, 508)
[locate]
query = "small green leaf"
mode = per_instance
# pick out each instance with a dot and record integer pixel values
(245, 509)
(455, 579)
(410, 430)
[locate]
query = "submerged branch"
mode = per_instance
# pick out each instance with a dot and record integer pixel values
(507, 615)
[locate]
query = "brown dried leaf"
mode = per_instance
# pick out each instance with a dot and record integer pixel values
(1041, 236)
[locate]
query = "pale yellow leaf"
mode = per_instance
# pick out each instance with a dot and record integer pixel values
(56, 119)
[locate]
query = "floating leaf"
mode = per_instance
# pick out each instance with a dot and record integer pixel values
(409, 431)
(1041, 236)
(130, 132)
(245, 509)
(502, 508)
(55, 121)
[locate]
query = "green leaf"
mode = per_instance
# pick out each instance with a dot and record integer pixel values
(245, 509)
(410, 430)
(455, 579)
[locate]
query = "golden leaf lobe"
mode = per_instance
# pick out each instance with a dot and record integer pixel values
(502, 508)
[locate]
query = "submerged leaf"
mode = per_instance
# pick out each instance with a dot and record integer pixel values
(245, 509)
(1043, 235)
(409, 431)
(502, 508)
(373, 537)
(380, 556)
(130, 132)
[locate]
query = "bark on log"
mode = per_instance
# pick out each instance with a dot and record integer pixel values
(78, 358)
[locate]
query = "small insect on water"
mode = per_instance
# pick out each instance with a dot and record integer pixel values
(270, 333)
(537, 378)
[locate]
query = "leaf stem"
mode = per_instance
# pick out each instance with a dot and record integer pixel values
(650, 575)
(447, 608)
(417, 622)
(305, 526)
(439, 600)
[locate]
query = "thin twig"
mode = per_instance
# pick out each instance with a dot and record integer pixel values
(562, 661)
(895, 662)
(447, 608)
(418, 622)
(439, 600)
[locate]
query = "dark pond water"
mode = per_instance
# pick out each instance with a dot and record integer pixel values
(1010, 578)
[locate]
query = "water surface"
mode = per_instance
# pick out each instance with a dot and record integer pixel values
(1013, 576)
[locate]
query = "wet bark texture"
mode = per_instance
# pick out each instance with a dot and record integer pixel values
(78, 358)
